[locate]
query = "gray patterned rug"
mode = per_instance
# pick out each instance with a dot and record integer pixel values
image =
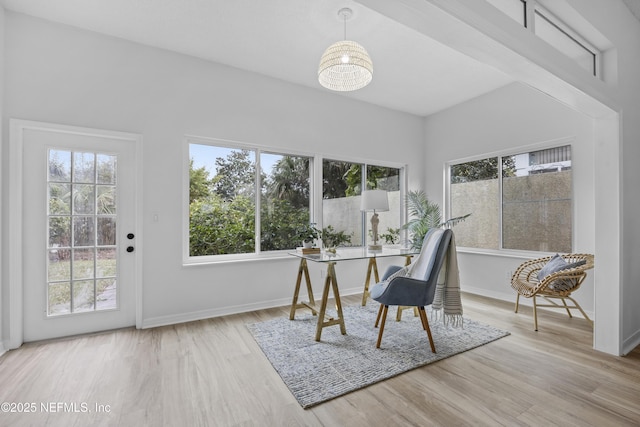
(319, 371)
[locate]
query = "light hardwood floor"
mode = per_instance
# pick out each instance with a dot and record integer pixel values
(212, 373)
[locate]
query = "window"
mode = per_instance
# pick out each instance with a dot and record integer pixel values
(285, 197)
(558, 35)
(341, 191)
(244, 200)
(223, 200)
(518, 201)
(81, 263)
(550, 28)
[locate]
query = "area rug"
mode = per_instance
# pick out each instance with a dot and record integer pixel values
(316, 372)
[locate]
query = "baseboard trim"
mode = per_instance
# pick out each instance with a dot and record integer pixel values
(174, 319)
(511, 297)
(631, 343)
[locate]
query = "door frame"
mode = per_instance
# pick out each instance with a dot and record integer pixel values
(15, 187)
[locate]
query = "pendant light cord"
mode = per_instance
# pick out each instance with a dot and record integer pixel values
(344, 15)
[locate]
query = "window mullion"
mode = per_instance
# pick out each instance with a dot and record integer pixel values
(500, 203)
(363, 188)
(530, 10)
(257, 201)
(315, 191)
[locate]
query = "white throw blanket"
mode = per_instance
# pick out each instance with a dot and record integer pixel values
(447, 298)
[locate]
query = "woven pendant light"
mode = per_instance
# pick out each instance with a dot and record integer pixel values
(345, 65)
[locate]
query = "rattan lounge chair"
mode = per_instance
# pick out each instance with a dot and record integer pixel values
(558, 285)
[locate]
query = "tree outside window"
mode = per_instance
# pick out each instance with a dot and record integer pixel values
(342, 188)
(247, 201)
(223, 200)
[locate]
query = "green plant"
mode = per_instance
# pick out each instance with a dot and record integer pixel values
(391, 237)
(425, 215)
(309, 233)
(332, 238)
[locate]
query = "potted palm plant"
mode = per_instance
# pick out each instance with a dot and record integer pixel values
(425, 215)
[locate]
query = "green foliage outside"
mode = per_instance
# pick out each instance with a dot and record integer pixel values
(478, 170)
(222, 208)
(332, 238)
(342, 179)
(60, 294)
(220, 227)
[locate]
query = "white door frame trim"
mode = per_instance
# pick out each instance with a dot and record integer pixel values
(14, 256)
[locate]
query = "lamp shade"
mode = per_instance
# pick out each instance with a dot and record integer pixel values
(345, 66)
(374, 200)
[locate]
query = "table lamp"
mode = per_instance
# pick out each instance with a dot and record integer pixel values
(374, 201)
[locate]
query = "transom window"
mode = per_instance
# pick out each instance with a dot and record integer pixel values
(518, 201)
(550, 28)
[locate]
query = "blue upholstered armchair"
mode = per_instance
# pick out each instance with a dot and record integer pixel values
(414, 286)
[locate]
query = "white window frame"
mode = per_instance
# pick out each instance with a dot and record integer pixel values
(402, 167)
(568, 31)
(570, 141)
(315, 194)
(530, 7)
(187, 259)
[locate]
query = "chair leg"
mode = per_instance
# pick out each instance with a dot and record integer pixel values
(425, 324)
(581, 310)
(378, 317)
(535, 314)
(384, 318)
(566, 307)
(517, 301)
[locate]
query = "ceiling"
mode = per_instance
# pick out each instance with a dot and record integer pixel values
(285, 39)
(634, 7)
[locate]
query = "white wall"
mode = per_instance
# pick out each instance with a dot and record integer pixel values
(514, 116)
(615, 21)
(64, 75)
(2, 166)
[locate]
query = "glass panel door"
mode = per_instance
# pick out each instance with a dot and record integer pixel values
(82, 263)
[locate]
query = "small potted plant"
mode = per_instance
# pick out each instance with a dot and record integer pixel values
(308, 234)
(391, 237)
(331, 238)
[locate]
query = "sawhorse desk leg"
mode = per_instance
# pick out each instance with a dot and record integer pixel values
(373, 265)
(302, 270)
(330, 282)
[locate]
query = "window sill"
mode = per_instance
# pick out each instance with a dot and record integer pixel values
(236, 258)
(505, 253)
